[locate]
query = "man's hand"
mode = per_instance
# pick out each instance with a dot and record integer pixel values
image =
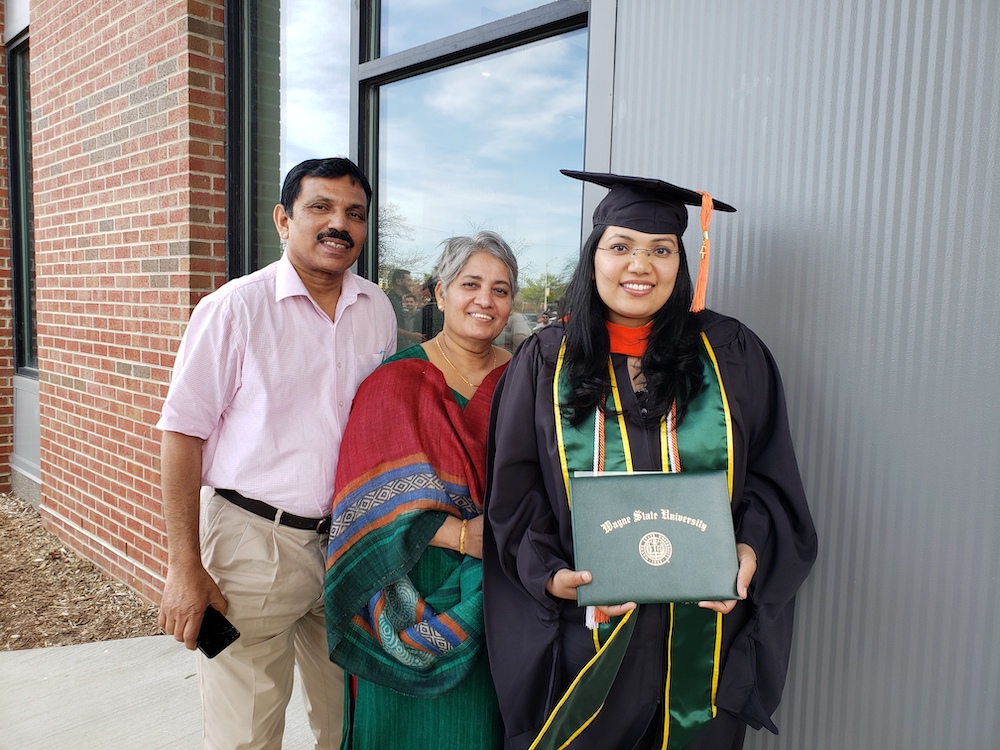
(186, 594)
(189, 588)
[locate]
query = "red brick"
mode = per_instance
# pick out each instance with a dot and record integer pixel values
(129, 150)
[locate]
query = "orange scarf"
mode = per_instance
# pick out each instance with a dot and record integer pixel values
(628, 341)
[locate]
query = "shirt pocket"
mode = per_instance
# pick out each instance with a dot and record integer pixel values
(365, 365)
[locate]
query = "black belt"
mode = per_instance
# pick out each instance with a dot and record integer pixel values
(262, 509)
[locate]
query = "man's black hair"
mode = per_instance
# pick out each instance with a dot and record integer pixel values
(331, 168)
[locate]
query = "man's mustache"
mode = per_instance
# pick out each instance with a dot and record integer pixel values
(336, 234)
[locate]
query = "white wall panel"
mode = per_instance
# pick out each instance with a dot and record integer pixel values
(859, 141)
(15, 20)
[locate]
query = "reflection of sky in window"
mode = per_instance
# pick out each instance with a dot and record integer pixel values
(315, 80)
(480, 145)
(408, 23)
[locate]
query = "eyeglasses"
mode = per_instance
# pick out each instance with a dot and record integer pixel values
(657, 254)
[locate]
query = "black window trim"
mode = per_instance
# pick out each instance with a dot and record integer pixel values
(369, 72)
(20, 195)
(240, 174)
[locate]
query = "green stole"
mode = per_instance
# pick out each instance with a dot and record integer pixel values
(702, 443)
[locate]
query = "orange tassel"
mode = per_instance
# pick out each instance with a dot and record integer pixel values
(698, 303)
(595, 617)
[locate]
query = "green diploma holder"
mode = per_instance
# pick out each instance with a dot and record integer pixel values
(653, 537)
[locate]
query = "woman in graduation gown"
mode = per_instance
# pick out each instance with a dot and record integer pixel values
(693, 390)
(404, 582)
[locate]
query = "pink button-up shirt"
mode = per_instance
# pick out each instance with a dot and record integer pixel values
(266, 379)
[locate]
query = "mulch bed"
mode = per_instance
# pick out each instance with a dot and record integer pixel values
(50, 596)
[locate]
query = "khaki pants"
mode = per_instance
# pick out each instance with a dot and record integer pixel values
(272, 577)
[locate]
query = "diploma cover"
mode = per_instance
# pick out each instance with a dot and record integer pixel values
(653, 537)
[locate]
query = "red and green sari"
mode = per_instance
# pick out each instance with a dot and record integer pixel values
(403, 617)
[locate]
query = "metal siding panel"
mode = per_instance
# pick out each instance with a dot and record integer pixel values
(859, 142)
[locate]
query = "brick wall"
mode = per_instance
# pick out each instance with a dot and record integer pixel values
(6, 301)
(128, 106)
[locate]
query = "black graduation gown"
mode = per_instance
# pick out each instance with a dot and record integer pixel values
(536, 643)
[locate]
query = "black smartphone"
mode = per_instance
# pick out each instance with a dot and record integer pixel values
(216, 633)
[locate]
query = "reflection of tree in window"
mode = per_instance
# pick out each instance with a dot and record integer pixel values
(543, 292)
(393, 233)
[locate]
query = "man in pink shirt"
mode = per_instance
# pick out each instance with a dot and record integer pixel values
(261, 391)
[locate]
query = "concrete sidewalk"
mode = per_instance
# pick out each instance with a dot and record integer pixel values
(133, 693)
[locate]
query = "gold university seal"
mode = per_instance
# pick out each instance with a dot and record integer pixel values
(655, 549)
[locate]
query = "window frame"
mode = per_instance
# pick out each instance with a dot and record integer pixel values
(20, 181)
(240, 129)
(369, 72)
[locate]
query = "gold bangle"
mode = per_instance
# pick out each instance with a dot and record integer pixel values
(461, 537)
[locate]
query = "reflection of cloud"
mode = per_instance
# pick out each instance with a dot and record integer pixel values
(461, 151)
(528, 95)
(528, 202)
(315, 80)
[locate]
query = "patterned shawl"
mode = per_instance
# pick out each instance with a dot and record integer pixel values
(410, 457)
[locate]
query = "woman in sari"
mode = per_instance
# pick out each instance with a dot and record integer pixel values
(404, 572)
(638, 377)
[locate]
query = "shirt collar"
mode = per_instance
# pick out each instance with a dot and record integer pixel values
(288, 284)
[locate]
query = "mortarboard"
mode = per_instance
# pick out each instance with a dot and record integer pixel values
(654, 207)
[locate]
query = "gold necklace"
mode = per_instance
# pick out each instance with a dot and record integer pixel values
(437, 340)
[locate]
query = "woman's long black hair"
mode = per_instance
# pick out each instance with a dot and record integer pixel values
(671, 363)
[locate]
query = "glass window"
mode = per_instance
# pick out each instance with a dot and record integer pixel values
(296, 74)
(479, 146)
(455, 137)
(315, 80)
(408, 23)
(22, 209)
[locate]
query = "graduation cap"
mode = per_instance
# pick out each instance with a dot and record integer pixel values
(654, 207)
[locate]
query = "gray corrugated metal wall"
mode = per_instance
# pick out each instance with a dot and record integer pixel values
(859, 140)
